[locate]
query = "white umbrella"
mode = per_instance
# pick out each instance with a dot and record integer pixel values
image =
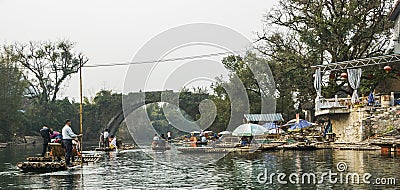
(249, 129)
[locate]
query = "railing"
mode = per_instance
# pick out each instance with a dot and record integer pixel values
(324, 103)
(337, 103)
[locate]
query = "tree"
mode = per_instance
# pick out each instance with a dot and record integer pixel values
(12, 87)
(250, 77)
(46, 66)
(315, 32)
(98, 112)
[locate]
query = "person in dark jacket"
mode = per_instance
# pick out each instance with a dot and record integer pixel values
(46, 133)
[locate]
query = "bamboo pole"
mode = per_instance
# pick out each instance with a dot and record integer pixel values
(80, 110)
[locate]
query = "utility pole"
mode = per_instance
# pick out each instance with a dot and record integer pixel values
(80, 110)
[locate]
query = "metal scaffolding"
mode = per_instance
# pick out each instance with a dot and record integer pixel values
(384, 59)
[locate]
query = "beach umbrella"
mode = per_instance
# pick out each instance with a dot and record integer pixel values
(225, 133)
(302, 124)
(249, 129)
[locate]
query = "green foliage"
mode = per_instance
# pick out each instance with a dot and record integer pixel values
(98, 113)
(12, 88)
(52, 114)
(230, 112)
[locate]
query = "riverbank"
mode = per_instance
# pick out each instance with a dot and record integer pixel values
(25, 140)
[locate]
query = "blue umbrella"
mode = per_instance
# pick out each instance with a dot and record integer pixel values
(299, 126)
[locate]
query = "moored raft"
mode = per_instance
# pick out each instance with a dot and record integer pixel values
(221, 150)
(298, 146)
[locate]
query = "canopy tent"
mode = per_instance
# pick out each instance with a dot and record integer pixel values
(249, 129)
(263, 117)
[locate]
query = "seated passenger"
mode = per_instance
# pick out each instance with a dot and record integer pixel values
(193, 138)
(203, 139)
(113, 143)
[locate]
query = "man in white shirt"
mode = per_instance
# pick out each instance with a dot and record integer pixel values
(169, 136)
(68, 135)
(203, 139)
(105, 136)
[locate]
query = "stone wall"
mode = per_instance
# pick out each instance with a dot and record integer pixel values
(384, 121)
(347, 127)
(363, 123)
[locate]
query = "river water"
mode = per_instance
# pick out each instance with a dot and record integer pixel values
(134, 169)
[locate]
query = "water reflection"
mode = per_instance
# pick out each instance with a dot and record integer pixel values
(135, 169)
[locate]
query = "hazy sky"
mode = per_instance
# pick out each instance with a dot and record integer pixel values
(114, 31)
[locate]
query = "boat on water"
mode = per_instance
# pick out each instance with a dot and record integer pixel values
(159, 148)
(160, 145)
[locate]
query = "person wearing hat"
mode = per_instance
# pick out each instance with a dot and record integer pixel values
(68, 135)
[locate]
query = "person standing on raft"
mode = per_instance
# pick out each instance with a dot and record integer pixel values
(45, 132)
(68, 135)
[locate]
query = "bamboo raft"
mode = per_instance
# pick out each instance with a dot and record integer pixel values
(298, 146)
(105, 149)
(41, 166)
(161, 148)
(204, 150)
(3, 145)
(226, 149)
(88, 158)
(45, 164)
(39, 159)
(108, 149)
